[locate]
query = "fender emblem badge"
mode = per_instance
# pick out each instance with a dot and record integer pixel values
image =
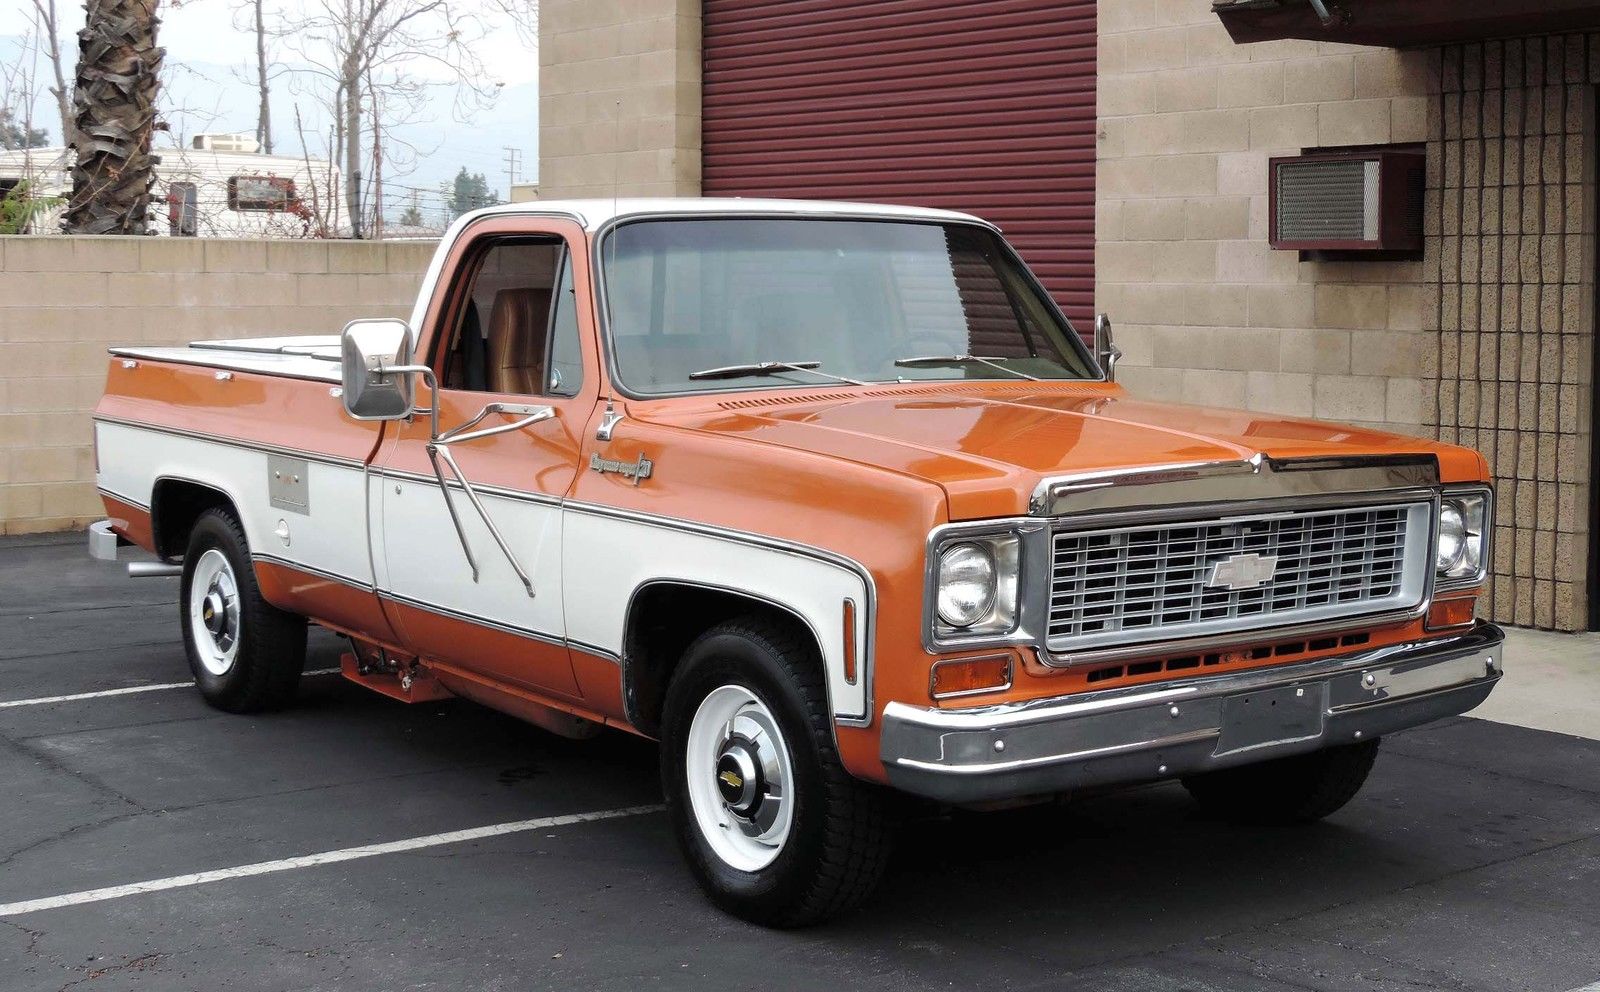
(1244, 571)
(636, 470)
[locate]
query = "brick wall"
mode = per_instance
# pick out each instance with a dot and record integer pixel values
(64, 300)
(619, 98)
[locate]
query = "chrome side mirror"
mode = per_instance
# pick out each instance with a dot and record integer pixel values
(1105, 350)
(378, 377)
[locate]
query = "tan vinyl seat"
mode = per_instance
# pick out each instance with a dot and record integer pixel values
(516, 339)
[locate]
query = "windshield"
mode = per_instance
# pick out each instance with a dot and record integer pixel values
(870, 300)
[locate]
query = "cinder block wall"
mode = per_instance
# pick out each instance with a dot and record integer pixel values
(64, 300)
(1488, 340)
(619, 98)
(1511, 254)
(1205, 311)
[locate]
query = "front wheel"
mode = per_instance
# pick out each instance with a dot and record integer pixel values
(246, 654)
(773, 827)
(1297, 789)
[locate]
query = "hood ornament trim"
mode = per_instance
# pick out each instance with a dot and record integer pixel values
(1256, 477)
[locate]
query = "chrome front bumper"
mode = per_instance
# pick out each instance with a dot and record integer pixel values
(1175, 728)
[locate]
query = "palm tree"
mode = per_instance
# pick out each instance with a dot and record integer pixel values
(114, 102)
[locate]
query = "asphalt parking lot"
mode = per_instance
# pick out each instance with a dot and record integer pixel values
(1471, 861)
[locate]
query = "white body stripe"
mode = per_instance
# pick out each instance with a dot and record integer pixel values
(608, 559)
(423, 560)
(332, 538)
(586, 564)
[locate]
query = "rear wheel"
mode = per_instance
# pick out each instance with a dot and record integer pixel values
(1297, 789)
(773, 827)
(246, 654)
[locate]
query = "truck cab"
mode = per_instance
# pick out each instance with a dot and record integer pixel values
(831, 500)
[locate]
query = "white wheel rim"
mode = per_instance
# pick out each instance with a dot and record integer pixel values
(735, 747)
(214, 612)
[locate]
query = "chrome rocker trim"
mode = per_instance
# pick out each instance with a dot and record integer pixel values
(1168, 729)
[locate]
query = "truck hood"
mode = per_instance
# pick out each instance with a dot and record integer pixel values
(989, 446)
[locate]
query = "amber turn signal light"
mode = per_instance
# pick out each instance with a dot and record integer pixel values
(1452, 613)
(964, 676)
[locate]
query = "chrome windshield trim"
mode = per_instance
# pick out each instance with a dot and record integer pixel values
(1256, 477)
(601, 277)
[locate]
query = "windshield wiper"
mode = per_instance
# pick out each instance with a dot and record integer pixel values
(769, 368)
(961, 360)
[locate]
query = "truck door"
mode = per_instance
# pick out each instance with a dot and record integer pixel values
(471, 572)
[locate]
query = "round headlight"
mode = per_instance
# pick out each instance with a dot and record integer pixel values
(966, 584)
(1452, 537)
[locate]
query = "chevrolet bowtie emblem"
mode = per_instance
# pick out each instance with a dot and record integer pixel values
(733, 779)
(1244, 571)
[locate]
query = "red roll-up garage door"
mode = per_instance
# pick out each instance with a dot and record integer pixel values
(986, 106)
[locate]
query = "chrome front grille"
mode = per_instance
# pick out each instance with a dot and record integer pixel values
(1150, 582)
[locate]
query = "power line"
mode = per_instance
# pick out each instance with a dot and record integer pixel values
(513, 166)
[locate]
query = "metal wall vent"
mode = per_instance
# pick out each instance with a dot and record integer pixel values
(1365, 201)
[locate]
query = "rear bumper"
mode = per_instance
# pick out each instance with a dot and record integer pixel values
(106, 545)
(1170, 729)
(103, 541)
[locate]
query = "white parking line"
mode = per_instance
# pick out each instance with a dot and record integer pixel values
(128, 691)
(312, 860)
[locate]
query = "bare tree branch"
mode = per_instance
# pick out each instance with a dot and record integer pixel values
(378, 59)
(50, 30)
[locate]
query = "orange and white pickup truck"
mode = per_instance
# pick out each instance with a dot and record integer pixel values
(828, 498)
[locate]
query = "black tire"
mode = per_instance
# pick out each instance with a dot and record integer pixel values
(842, 832)
(271, 650)
(1298, 789)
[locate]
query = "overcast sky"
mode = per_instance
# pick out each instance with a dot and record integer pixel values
(210, 64)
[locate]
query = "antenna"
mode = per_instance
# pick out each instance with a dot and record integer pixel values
(616, 157)
(616, 176)
(610, 418)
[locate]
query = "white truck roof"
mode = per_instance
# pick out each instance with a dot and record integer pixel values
(315, 357)
(596, 212)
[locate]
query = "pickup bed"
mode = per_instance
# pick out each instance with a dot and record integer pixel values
(828, 498)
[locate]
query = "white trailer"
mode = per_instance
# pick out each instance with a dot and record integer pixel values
(220, 188)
